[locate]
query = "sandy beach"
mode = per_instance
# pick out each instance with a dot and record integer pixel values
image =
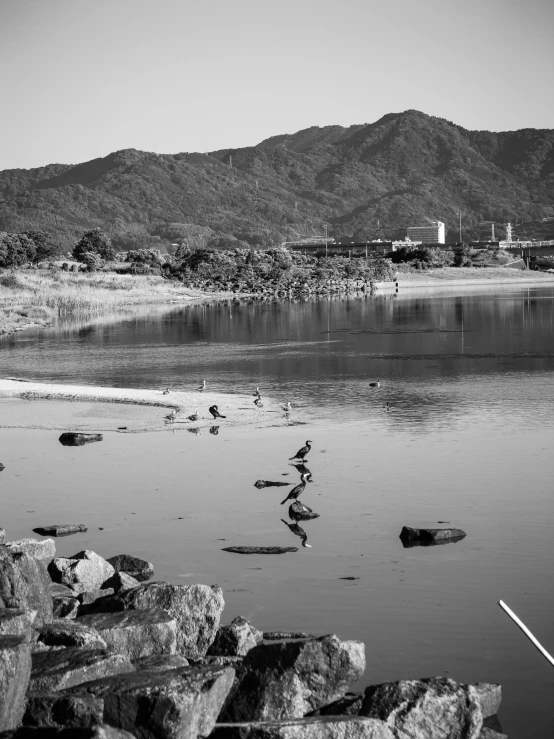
(127, 410)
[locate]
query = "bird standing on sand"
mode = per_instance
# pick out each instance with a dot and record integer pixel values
(166, 391)
(202, 386)
(298, 531)
(298, 490)
(375, 384)
(258, 402)
(257, 394)
(215, 413)
(171, 416)
(193, 417)
(301, 453)
(287, 408)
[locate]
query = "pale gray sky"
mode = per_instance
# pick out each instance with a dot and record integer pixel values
(82, 78)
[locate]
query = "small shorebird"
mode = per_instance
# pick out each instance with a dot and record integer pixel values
(375, 384)
(298, 490)
(386, 407)
(258, 402)
(171, 416)
(287, 408)
(301, 453)
(194, 417)
(166, 391)
(257, 394)
(202, 386)
(215, 413)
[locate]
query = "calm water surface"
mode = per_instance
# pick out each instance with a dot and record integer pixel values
(468, 441)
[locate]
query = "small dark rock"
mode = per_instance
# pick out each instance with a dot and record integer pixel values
(349, 577)
(71, 438)
(138, 568)
(300, 512)
(427, 537)
(61, 529)
(63, 711)
(268, 484)
(348, 705)
(65, 607)
(119, 582)
(259, 550)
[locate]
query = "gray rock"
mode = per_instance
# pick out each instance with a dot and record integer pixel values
(64, 607)
(138, 568)
(160, 663)
(15, 669)
(490, 698)
(487, 733)
(99, 731)
(57, 590)
(300, 512)
(85, 571)
(63, 634)
(17, 622)
(178, 704)
(61, 529)
(196, 608)
(71, 438)
(285, 680)
(44, 549)
(269, 484)
(434, 708)
(136, 633)
(87, 599)
(63, 711)
(63, 668)
(412, 537)
(348, 705)
(235, 639)
(259, 550)
(24, 583)
(321, 727)
(120, 581)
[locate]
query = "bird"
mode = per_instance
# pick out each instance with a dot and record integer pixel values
(301, 453)
(298, 531)
(214, 430)
(171, 416)
(202, 386)
(215, 413)
(298, 490)
(375, 384)
(257, 394)
(193, 417)
(386, 407)
(258, 402)
(287, 408)
(166, 391)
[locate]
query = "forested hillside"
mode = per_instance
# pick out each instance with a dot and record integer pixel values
(367, 181)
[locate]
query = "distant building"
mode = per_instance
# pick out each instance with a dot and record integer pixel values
(431, 234)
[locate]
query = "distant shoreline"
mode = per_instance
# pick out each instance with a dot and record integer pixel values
(449, 277)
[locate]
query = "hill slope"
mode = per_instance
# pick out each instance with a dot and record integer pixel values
(366, 181)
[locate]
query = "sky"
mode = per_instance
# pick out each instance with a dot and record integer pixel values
(83, 78)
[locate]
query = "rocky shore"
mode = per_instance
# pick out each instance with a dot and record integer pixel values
(91, 647)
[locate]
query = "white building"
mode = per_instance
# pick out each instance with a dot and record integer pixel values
(430, 234)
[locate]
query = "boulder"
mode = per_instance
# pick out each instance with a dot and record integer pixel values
(120, 581)
(320, 727)
(24, 583)
(259, 550)
(88, 599)
(61, 529)
(434, 708)
(17, 622)
(181, 703)
(138, 568)
(412, 537)
(137, 633)
(63, 711)
(99, 731)
(196, 608)
(44, 549)
(85, 571)
(160, 663)
(348, 705)
(63, 634)
(285, 680)
(15, 669)
(70, 438)
(300, 512)
(64, 607)
(63, 668)
(235, 639)
(57, 590)
(490, 698)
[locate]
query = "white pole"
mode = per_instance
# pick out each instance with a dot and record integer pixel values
(526, 631)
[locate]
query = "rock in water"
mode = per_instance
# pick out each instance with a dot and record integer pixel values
(412, 537)
(138, 568)
(269, 484)
(178, 704)
(63, 668)
(24, 583)
(196, 608)
(44, 550)
(85, 571)
(15, 669)
(63, 711)
(236, 639)
(61, 529)
(260, 550)
(300, 512)
(289, 679)
(63, 634)
(71, 438)
(137, 634)
(434, 708)
(320, 727)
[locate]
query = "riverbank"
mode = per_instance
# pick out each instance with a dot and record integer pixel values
(472, 276)
(128, 410)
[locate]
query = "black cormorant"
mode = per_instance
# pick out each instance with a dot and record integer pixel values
(298, 490)
(215, 413)
(301, 453)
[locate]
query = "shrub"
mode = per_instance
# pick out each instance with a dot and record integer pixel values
(9, 280)
(92, 261)
(93, 242)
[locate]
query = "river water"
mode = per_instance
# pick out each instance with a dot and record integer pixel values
(468, 440)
